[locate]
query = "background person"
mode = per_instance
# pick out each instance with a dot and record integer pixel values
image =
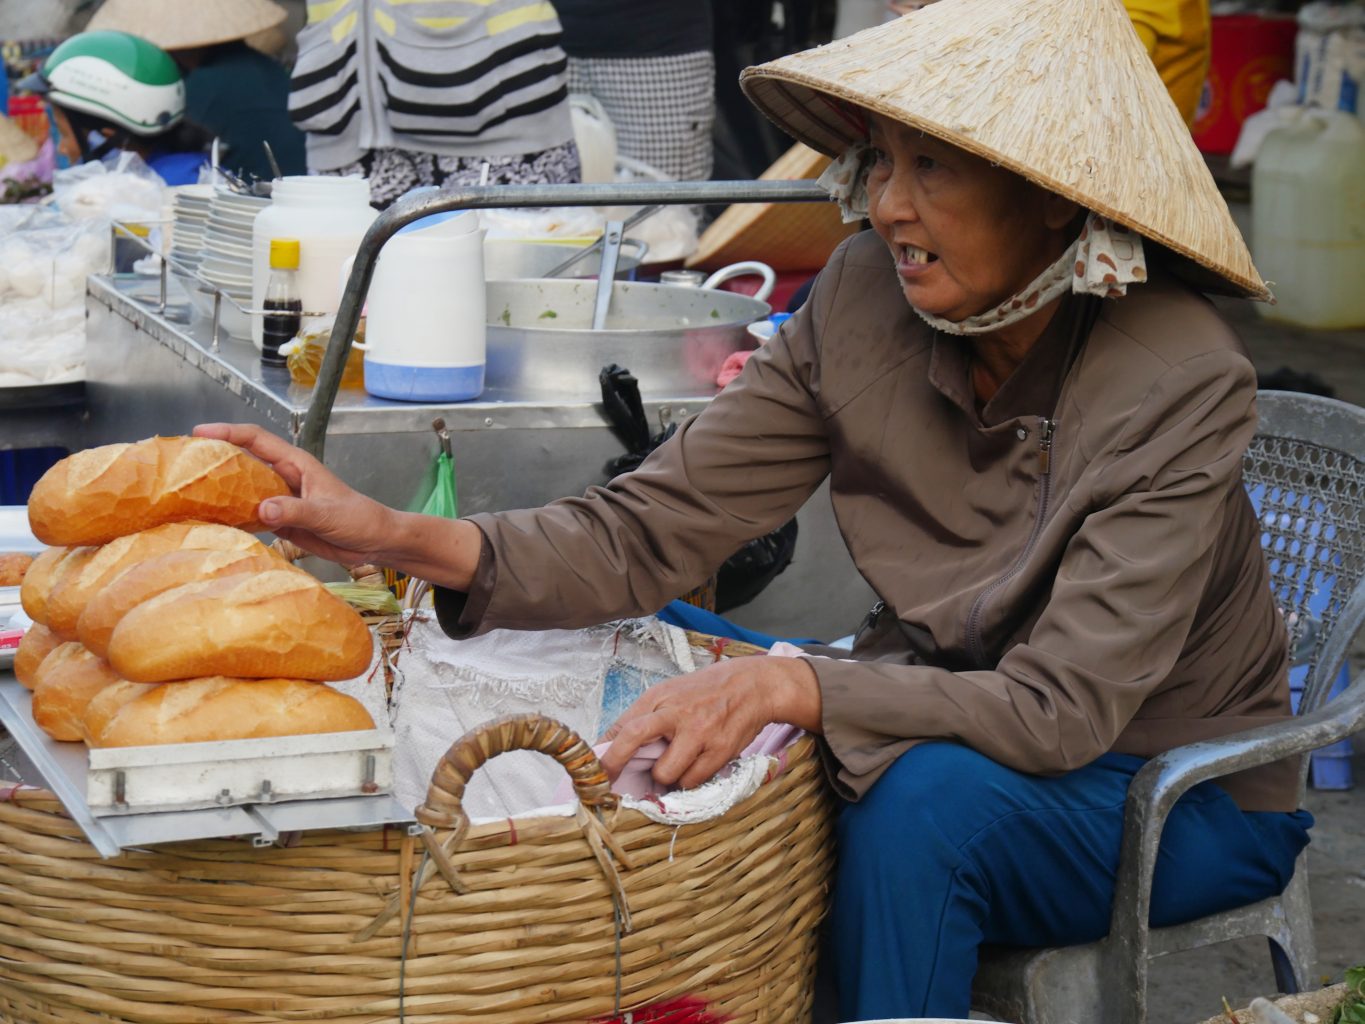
(649, 63)
(112, 91)
(410, 95)
(232, 91)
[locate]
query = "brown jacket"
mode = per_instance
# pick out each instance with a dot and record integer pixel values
(1073, 569)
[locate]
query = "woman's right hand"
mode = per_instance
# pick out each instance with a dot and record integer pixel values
(324, 517)
(336, 522)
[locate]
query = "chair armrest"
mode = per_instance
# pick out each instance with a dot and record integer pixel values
(1167, 777)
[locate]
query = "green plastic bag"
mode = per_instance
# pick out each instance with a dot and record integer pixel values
(443, 500)
(437, 496)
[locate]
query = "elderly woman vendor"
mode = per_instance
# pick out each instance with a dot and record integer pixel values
(1032, 424)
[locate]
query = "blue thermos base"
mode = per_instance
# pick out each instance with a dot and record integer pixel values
(423, 383)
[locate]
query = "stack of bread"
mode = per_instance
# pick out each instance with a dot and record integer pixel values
(160, 619)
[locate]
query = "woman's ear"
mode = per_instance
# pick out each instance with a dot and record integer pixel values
(1058, 211)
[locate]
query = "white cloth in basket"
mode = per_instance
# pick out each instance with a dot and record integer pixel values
(583, 678)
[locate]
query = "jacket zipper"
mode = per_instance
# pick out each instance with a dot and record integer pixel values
(976, 648)
(873, 617)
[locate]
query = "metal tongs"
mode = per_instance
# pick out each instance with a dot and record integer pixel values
(588, 250)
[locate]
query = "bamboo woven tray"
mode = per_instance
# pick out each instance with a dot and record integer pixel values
(723, 915)
(786, 236)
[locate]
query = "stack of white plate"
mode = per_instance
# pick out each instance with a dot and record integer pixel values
(190, 210)
(227, 243)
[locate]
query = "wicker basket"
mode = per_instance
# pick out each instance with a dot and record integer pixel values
(523, 921)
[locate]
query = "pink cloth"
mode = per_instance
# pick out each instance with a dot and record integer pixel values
(635, 779)
(730, 369)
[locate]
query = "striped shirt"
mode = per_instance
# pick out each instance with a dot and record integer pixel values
(463, 78)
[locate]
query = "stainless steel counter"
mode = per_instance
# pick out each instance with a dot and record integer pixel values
(154, 373)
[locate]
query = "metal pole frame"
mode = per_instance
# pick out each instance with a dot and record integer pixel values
(313, 434)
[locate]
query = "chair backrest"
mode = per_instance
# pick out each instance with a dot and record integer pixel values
(1305, 472)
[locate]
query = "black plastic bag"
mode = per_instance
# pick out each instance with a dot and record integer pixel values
(745, 574)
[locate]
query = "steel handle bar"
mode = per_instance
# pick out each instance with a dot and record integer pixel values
(313, 434)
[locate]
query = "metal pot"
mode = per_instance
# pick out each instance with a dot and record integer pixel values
(673, 340)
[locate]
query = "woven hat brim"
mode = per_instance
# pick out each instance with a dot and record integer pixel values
(185, 24)
(809, 96)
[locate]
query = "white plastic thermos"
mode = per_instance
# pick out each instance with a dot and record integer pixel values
(425, 329)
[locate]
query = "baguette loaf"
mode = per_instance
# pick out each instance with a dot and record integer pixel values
(105, 705)
(156, 575)
(13, 567)
(67, 680)
(71, 593)
(262, 625)
(215, 708)
(98, 494)
(37, 644)
(44, 575)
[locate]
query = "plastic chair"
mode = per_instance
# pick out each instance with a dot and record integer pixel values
(1308, 460)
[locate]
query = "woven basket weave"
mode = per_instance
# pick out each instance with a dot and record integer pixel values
(723, 914)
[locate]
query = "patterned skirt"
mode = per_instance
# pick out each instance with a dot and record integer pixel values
(393, 172)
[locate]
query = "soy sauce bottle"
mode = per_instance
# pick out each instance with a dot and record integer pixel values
(283, 306)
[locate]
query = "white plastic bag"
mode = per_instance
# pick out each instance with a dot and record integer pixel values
(1280, 109)
(45, 258)
(123, 186)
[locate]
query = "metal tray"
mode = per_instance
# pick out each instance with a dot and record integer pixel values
(42, 396)
(205, 769)
(15, 534)
(195, 776)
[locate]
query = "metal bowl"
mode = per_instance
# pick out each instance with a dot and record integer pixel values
(672, 339)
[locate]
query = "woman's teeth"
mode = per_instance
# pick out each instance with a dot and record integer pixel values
(916, 255)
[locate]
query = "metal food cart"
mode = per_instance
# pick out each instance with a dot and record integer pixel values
(155, 366)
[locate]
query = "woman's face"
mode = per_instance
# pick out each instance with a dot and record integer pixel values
(965, 235)
(66, 136)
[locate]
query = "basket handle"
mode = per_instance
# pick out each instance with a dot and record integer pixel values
(443, 807)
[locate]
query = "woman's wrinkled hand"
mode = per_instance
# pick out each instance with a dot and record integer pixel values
(324, 517)
(708, 717)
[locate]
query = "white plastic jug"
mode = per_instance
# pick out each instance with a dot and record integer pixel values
(329, 216)
(1308, 220)
(424, 323)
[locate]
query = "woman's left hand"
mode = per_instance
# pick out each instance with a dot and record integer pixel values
(709, 716)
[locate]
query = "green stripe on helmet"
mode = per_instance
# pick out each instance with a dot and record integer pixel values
(137, 58)
(118, 78)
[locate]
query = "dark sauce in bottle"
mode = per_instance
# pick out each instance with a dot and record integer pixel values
(282, 320)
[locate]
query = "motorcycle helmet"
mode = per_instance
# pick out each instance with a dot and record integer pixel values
(111, 80)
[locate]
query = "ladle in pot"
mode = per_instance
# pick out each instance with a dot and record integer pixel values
(606, 274)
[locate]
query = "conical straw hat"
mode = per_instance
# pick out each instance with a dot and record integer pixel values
(1060, 91)
(182, 24)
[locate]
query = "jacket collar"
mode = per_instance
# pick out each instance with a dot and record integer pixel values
(1035, 385)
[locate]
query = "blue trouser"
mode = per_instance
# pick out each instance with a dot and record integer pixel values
(950, 849)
